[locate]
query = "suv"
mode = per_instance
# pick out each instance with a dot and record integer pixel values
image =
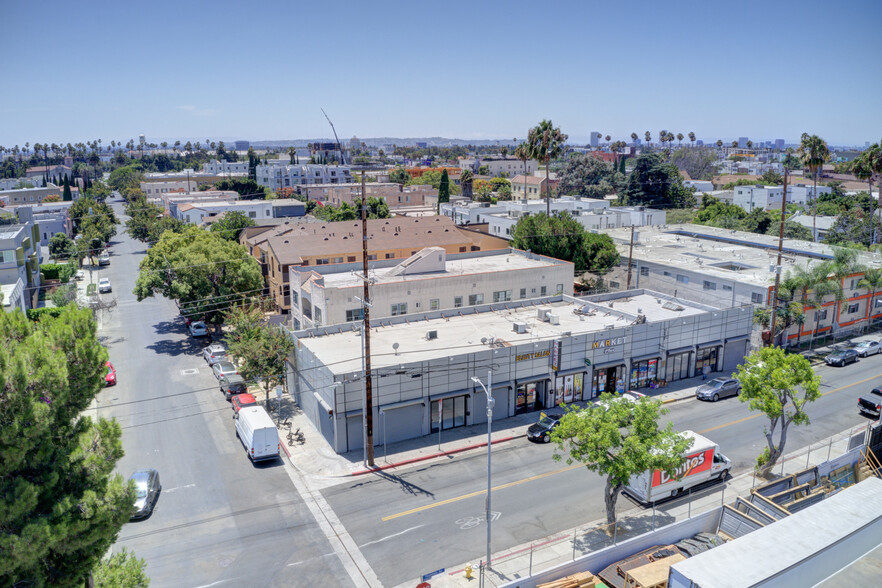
(232, 385)
(214, 353)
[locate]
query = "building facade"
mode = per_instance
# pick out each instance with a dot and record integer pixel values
(20, 256)
(540, 353)
(28, 196)
(220, 168)
(278, 174)
(498, 165)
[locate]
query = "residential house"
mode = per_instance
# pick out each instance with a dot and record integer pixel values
(31, 195)
(499, 166)
(20, 258)
(530, 187)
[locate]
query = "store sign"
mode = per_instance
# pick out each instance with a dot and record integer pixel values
(603, 343)
(534, 355)
(555, 354)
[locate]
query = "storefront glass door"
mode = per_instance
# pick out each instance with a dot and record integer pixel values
(526, 397)
(706, 357)
(678, 367)
(452, 413)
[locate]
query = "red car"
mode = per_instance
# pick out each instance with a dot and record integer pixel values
(110, 377)
(240, 401)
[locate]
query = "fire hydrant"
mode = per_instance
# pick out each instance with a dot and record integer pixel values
(468, 571)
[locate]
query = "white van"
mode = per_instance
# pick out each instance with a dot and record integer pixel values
(701, 462)
(258, 433)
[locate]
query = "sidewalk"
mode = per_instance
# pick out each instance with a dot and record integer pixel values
(314, 457)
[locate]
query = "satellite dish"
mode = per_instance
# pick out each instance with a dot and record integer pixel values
(484, 340)
(395, 347)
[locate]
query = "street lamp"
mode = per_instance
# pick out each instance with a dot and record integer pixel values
(490, 402)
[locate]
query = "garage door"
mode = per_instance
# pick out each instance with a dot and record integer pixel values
(401, 423)
(733, 354)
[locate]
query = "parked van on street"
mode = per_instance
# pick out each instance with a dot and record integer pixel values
(258, 433)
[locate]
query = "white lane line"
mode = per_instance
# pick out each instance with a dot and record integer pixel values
(179, 488)
(389, 536)
(351, 558)
(215, 583)
(297, 563)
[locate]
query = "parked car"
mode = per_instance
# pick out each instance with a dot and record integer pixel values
(147, 489)
(232, 385)
(871, 403)
(868, 348)
(80, 275)
(718, 388)
(214, 353)
(104, 285)
(541, 431)
(104, 259)
(197, 329)
(110, 376)
(841, 357)
(258, 434)
(240, 401)
(224, 368)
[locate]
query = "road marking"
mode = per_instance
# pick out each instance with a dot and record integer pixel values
(297, 563)
(480, 492)
(189, 372)
(389, 536)
(179, 488)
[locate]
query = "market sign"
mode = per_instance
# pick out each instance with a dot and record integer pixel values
(608, 343)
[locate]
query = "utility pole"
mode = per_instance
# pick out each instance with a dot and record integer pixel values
(630, 256)
(774, 300)
(368, 407)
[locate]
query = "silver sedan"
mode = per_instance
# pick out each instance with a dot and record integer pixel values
(223, 368)
(868, 348)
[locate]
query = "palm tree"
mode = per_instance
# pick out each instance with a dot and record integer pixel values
(813, 152)
(861, 170)
(648, 136)
(820, 291)
(843, 264)
(749, 144)
(679, 140)
(634, 137)
(522, 152)
(546, 143)
(872, 280)
(692, 138)
(465, 180)
(719, 143)
(734, 144)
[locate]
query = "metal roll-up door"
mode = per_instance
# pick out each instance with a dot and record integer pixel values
(401, 423)
(501, 408)
(733, 354)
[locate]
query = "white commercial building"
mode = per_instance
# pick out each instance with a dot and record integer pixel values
(197, 212)
(498, 165)
(225, 167)
(763, 197)
(278, 174)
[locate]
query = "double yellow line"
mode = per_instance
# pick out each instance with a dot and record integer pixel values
(573, 467)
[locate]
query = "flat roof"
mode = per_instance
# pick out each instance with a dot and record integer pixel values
(788, 542)
(341, 352)
(453, 267)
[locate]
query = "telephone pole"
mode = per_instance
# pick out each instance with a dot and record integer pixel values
(630, 257)
(774, 300)
(368, 407)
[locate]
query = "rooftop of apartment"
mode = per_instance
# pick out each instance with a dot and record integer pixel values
(505, 261)
(723, 253)
(461, 330)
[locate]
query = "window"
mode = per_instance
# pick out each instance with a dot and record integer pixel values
(502, 296)
(418, 305)
(7, 256)
(756, 298)
(475, 299)
(877, 303)
(644, 271)
(668, 274)
(400, 308)
(390, 256)
(356, 314)
(727, 288)
(524, 293)
(559, 289)
(252, 214)
(457, 301)
(709, 285)
(350, 258)
(853, 308)
(475, 248)
(322, 261)
(682, 279)
(434, 304)
(372, 257)
(337, 260)
(462, 249)
(820, 315)
(543, 290)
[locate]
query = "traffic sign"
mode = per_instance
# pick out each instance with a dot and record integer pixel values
(431, 574)
(587, 361)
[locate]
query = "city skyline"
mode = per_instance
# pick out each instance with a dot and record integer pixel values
(231, 72)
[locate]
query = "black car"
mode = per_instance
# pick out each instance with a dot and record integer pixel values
(541, 431)
(232, 384)
(842, 357)
(147, 489)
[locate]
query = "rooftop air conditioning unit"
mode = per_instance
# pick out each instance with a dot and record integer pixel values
(431, 335)
(519, 328)
(540, 313)
(553, 319)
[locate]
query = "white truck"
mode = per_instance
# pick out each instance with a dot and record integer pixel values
(701, 462)
(258, 433)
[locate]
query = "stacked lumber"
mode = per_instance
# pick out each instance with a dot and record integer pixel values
(580, 580)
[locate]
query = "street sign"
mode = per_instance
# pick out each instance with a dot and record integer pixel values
(587, 362)
(279, 391)
(431, 574)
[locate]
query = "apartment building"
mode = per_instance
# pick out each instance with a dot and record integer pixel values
(221, 168)
(188, 180)
(278, 174)
(30, 196)
(431, 279)
(498, 165)
(530, 187)
(762, 197)
(51, 218)
(290, 249)
(196, 212)
(20, 258)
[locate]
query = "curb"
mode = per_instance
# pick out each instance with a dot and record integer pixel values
(670, 400)
(432, 456)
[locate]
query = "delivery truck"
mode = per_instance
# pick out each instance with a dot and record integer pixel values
(701, 462)
(258, 433)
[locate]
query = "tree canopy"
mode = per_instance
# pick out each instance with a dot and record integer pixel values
(147, 222)
(376, 208)
(654, 182)
(203, 272)
(121, 570)
(231, 225)
(62, 505)
(247, 188)
(618, 439)
(562, 237)
(585, 174)
(699, 162)
(779, 385)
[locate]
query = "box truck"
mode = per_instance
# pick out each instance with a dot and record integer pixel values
(258, 433)
(701, 462)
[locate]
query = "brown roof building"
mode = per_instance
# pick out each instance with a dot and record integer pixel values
(304, 245)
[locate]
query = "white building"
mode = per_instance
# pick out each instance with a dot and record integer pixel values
(196, 213)
(50, 218)
(188, 180)
(699, 185)
(759, 196)
(498, 165)
(225, 167)
(804, 194)
(277, 175)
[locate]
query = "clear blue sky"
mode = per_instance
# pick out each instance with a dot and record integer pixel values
(471, 70)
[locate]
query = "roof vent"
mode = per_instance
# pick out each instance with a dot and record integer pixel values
(519, 328)
(430, 335)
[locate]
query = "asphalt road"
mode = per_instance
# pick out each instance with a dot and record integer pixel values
(219, 520)
(412, 522)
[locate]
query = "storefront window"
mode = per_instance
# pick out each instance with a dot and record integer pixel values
(452, 413)
(706, 357)
(568, 388)
(678, 367)
(611, 379)
(526, 397)
(643, 373)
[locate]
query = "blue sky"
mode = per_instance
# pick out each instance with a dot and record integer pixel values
(470, 70)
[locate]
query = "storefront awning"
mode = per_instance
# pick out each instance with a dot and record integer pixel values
(716, 343)
(571, 371)
(655, 355)
(738, 338)
(443, 395)
(679, 350)
(608, 364)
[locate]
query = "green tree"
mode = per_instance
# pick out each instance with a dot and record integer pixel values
(872, 281)
(699, 162)
(504, 192)
(654, 182)
(443, 190)
(813, 152)
(484, 170)
(247, 188)
(618, 440)
(60, 245)
(465, 181)
(585, 174)
(562, 237)
(779, 385)
(200, 270)
(66, 194)
(771, 178)
(399, 175)
(866, 167)
(128, 176)
(63, 505)
(546, 143)
(121, 570)
(147, 222)
(231, 225)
